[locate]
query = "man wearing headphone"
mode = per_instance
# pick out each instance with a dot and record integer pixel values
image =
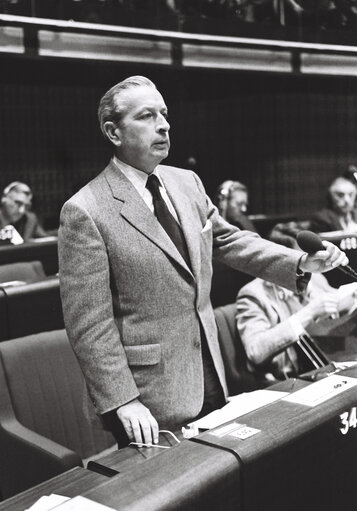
(17, 222)
(231, 199)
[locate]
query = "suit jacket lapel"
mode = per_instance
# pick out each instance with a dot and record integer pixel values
(136, 212)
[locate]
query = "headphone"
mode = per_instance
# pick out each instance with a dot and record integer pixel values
(23, 187)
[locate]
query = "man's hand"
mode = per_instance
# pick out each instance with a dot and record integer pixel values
(322, 307)
(139, 424)
(323, 260)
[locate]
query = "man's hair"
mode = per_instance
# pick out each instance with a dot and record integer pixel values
(109, 108)
(19, 187)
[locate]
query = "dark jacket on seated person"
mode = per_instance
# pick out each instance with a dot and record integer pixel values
(326, 220)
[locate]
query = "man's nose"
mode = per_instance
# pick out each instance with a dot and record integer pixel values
(162, 124)
(22, 209)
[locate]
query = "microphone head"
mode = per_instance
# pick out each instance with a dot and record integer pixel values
(309, 242)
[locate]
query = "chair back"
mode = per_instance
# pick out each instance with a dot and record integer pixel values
(28, 271)
(239, 379)
(46, 388)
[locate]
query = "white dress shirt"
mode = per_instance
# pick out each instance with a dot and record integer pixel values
(138, 178)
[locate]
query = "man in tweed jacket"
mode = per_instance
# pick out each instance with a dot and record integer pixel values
(138, 316)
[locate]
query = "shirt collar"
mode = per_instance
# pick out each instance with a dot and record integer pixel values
(137, 177)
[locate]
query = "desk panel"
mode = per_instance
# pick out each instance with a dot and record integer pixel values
(71, 483)
(299, 459)
(30, 308)
(187, 477)
(44, 251)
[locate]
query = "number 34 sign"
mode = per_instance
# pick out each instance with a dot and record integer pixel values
(348, 420)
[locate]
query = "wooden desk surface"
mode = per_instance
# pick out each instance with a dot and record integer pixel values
(188, 476)
(128, 458)
(71, 483)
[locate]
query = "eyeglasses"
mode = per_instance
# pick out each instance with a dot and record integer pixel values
(139, 444)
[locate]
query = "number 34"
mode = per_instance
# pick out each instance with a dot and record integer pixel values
(349, 420)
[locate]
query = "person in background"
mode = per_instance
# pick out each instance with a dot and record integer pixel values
(231, 199)
(339, 213)
(135, 260)
(271, 319)
(17, 222)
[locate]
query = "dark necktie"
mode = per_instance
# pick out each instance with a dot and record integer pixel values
(166, 219)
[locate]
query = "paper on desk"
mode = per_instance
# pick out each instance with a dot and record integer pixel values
(80, 503)
(47, 502)
(322, 390)
(238, 405)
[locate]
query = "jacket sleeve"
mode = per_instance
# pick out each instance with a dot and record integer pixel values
(88, 310)
(263, 335)
(246, 251)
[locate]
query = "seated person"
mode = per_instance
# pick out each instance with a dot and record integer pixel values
(340, 214)
(285, 232)
(17, 223)
(271, 319)
(231, 199)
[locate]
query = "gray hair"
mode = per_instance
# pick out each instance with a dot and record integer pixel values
(17, 186)
(109, 108)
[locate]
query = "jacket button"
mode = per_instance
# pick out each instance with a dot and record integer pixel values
(196, 344)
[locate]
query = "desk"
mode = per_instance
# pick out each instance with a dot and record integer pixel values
(299, 460)
(30, 308)
(44, 251)
(189, 476)
(69, 484)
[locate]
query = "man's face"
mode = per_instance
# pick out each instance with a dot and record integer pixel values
(343, 196)
(237, 205)
(14, 205)
(143, 131)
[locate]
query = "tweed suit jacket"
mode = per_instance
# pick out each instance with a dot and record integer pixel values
(132, 307)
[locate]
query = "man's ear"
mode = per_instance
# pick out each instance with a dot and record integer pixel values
(113, 133)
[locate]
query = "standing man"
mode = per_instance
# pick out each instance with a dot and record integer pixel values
(135, 253)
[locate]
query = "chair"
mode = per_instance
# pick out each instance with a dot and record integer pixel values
(239, 378)
(29, 271)
(43, 430)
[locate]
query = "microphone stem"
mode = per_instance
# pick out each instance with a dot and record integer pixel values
(350, 272)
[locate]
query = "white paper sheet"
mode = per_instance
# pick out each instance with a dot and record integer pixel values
(238, 405)
(47, 502)
(322, 390)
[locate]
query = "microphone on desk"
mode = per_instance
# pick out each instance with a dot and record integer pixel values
(310, 242)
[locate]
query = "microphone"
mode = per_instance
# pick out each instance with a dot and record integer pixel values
(310, 242)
